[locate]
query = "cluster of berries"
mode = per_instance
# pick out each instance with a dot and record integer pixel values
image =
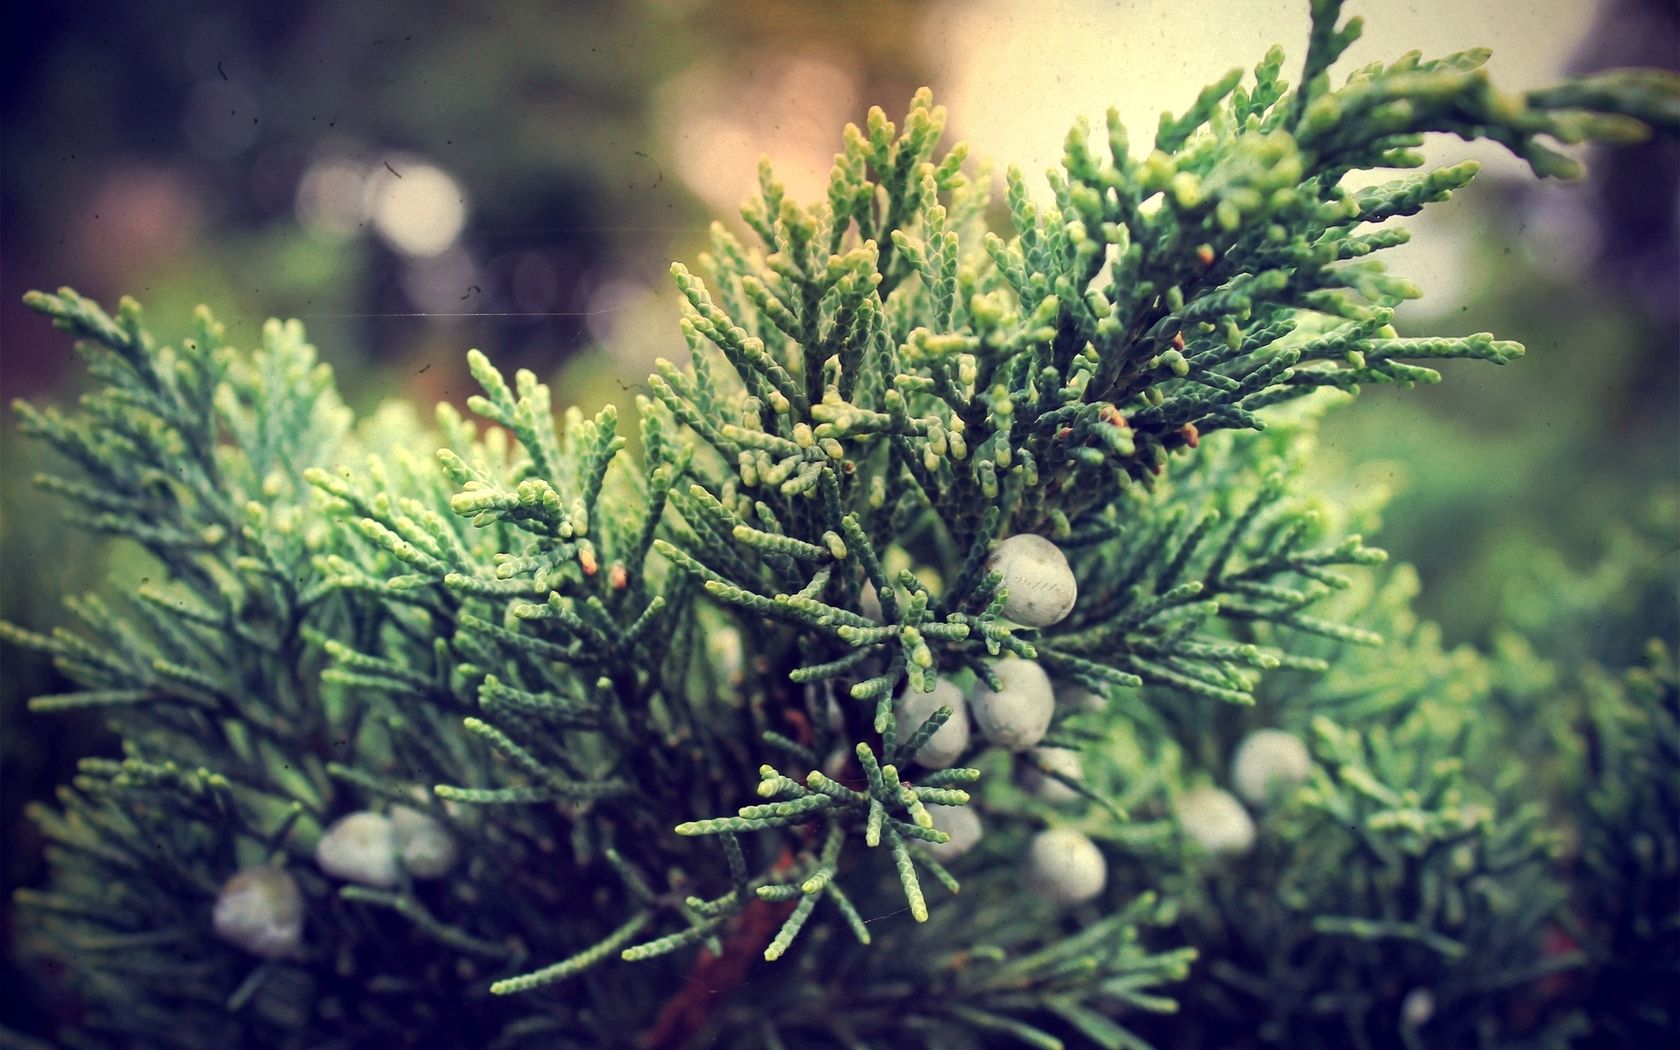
(261, 909)
(1063, 864)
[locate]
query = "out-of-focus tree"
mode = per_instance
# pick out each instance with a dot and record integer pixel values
(1487, 472)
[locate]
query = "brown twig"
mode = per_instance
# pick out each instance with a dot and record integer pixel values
(685, 1014)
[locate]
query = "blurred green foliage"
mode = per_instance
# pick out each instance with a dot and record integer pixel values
(1503, 484)
(1487, 471)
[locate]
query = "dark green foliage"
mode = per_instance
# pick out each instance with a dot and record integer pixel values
(1590, 689)
(652, 698)
(240, 743)
(1628, 862)
(1415, 866)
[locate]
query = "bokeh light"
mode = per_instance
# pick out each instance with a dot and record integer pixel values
(800, 102)
(1017, 76)
(416, 206)
(329, 198)
(441, 284)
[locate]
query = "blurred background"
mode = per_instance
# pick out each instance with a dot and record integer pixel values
(413, 180)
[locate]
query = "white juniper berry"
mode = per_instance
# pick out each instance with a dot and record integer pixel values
(360, 847)
(1065, 866)
(1268, 760)
(727, 654)
(959, 822)
(1417, 1008)
(1041, 586)
(869, 601)
(835, 762)
(1078, 699)
(427, 848)
(1017, 716)
(951, 739)
(1040, 762)
(261, 911)
(1215, 820)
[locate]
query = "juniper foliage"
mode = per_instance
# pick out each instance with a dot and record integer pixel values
(651, 698)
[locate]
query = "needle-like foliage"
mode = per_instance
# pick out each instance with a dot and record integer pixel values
(634, 724)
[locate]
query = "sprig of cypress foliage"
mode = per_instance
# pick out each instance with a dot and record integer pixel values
(595, 673)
